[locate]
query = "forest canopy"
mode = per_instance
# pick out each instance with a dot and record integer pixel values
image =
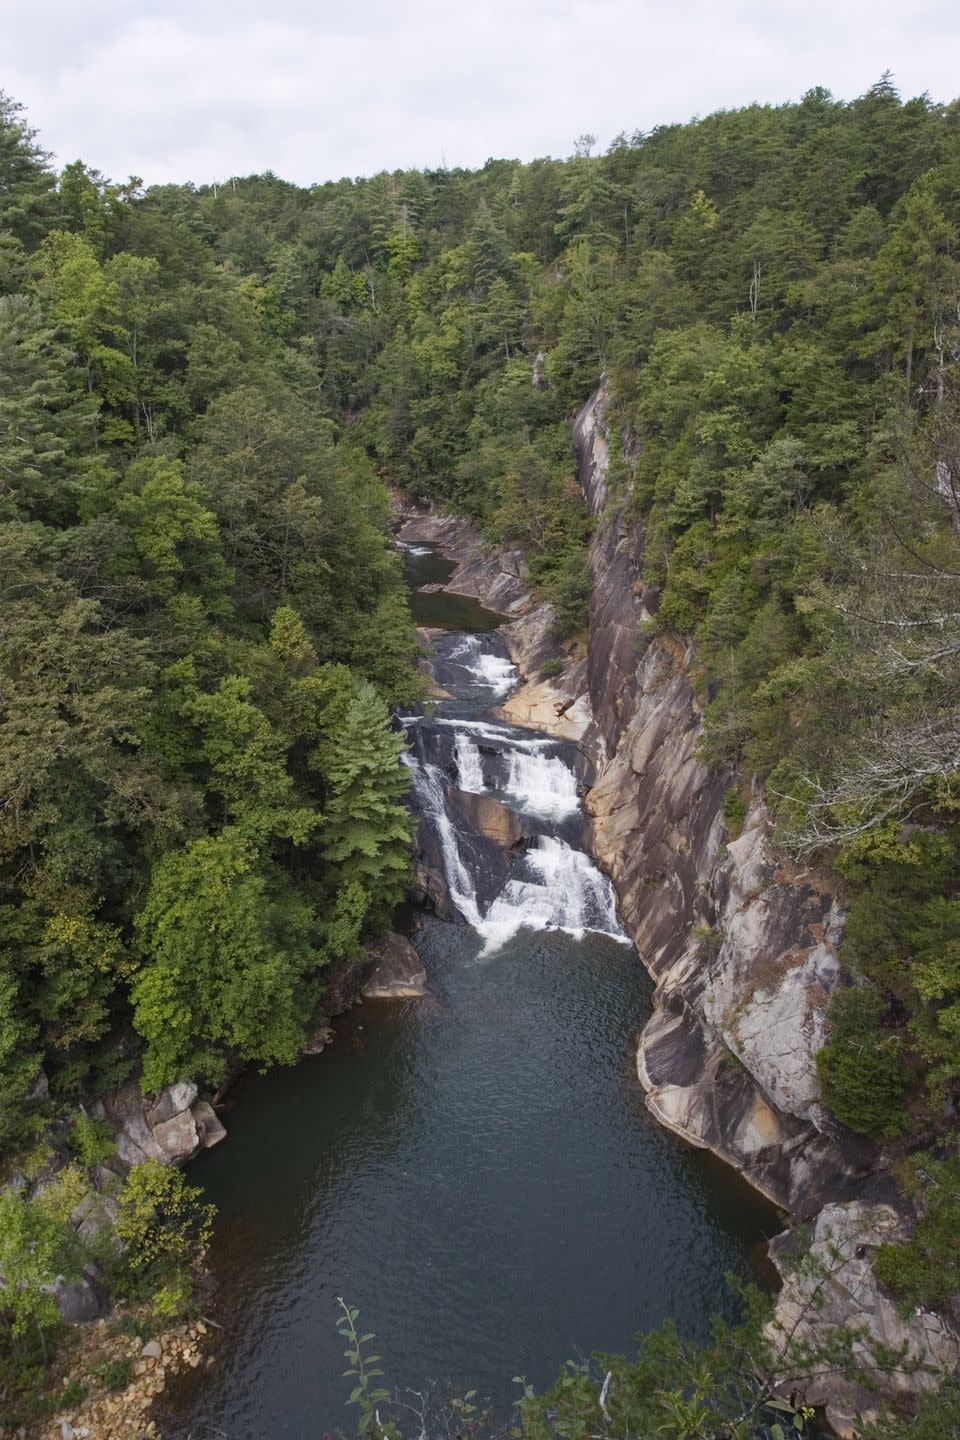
(206, 392)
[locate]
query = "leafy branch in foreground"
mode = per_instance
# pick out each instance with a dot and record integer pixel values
(364, 1394)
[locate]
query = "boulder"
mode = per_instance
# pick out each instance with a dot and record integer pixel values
(398, 973)
(77, 1301)
(171, 1101)
(492, 818)
(318, 1041)
(210, 1130)
(135, 1140)
(178, 1137)
(39, 1088)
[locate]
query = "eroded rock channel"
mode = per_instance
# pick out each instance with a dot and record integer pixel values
(476, 1168)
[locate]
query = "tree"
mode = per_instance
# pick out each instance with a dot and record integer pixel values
(37, 1248)
(165, 1227)
(27, 198)
(366, 833)
(228, 962)
(45, 418)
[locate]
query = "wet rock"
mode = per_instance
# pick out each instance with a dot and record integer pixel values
(398, 973)
(492, 818)
(318, 1040)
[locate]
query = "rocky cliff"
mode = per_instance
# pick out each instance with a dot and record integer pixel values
(742, 946)
(741, 943)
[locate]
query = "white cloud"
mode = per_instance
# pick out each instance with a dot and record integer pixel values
(204, 90)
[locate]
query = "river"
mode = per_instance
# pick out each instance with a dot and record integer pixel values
(476, 1170)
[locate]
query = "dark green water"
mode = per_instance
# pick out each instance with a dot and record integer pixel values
(424, 565)
(478, 1173)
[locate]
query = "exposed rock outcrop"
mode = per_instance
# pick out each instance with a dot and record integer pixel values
(172, 1128)
(743, 949)
(835, 1288)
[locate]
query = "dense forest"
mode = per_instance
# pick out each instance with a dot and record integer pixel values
(205, 392)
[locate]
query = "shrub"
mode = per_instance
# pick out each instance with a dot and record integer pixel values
(165, 1228)
(91, 1140)
(860, 1068)
(115, 1374)
(734, 812)
(925, 1270)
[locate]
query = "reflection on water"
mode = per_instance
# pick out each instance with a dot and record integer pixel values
(424, 565)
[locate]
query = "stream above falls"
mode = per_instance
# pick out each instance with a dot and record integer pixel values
(476, 1170)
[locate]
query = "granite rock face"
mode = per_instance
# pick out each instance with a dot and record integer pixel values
(835, 1288)
(742, 948)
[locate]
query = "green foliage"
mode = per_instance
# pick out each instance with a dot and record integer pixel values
(899, 1021)
(227, 954)
(861, 1067)
(37, 1245)
(363, 1369)
(114, 1374)
(164, 1226)
(91, 1140)
(925, 1270)
(170, 486)
(734, 812)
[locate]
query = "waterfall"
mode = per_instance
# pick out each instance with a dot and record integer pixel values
(496, 673)
(469, 766)
(551, 885)
(542, 785)
(428, 784)
(565, 892)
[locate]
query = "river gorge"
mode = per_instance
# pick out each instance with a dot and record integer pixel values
(475, 1169)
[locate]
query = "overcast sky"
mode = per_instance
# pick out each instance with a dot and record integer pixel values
(204, 89)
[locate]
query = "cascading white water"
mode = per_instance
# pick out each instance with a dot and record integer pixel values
(558, 887)
(428, 784)
(568, 893)
(469, 765)
(495, 672)
(541, 784)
